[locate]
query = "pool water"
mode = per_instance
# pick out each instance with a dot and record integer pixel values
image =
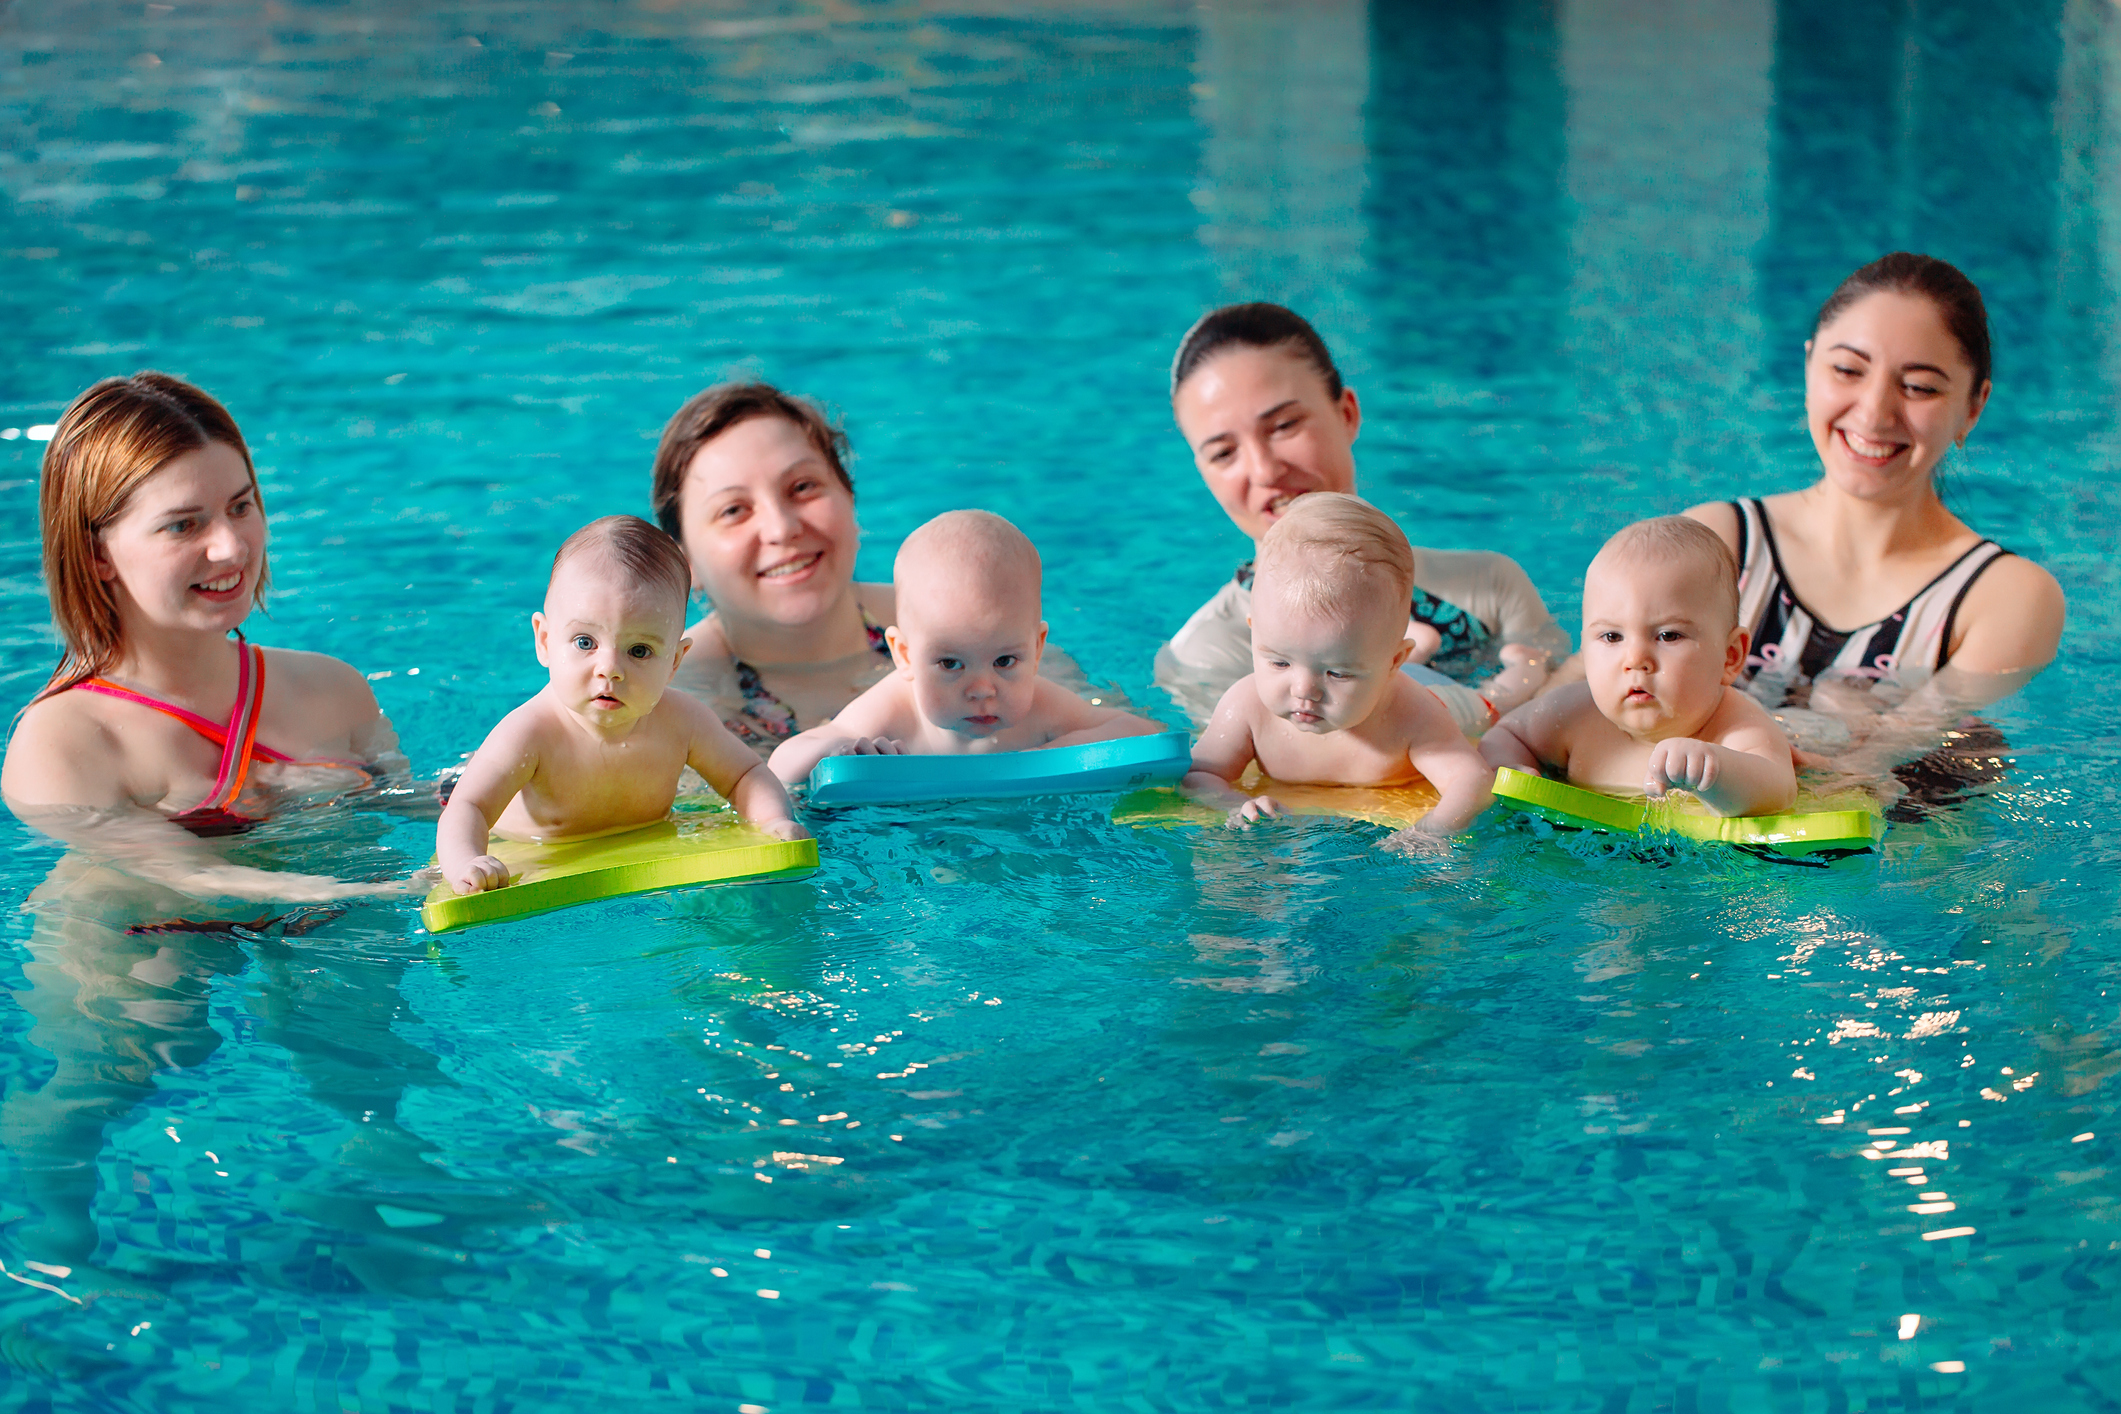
(1010, 1107)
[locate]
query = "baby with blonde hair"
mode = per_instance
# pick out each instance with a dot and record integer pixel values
(1325, 702)
(1656, 711)
(966, 650)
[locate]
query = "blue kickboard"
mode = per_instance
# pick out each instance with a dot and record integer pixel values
(1122, 764)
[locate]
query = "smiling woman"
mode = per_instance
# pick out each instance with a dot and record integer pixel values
(1258, 398)
(1940, 618)
(158, 728)
(754, 484)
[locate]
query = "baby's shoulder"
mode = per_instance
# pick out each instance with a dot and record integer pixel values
(1739, 716)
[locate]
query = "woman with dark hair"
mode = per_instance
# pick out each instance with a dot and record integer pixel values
(754, 484)
(161, 725)
(1939, 618)
(1256, 394)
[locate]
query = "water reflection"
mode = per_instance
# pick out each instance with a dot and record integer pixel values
(126, 982)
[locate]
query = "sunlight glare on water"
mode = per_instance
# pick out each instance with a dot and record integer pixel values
(1010, 1107)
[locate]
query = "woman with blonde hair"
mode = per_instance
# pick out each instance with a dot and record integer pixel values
(162, 725)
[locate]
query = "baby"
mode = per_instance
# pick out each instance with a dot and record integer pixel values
(1657, 712)
(1325, 701)
(600, 748)
(966, 648)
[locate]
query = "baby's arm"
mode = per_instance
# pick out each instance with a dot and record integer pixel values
(736, 773)
(1462, 777)
(504, 763)
(862, 727)
(1222, 755)
(1534, 736)
(1074, 721)
(1745, 769)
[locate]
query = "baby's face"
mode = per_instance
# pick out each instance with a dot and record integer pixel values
(971, 651)
(611, 645)
(1658, 645)
(1323, 672)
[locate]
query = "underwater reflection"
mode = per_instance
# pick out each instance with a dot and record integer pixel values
(123, 977)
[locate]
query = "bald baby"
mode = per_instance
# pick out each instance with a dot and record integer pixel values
(1657, 710)
(966, 649)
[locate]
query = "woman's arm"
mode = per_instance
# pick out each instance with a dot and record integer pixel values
(64, 778)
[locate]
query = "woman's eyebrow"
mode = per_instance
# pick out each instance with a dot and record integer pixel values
(1851, 348)
(1281, 406)
(1926, 368)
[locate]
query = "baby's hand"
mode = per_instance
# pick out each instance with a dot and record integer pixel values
(787, 830)
(869, 746)
(1416, 843)
(478, 874)
(1681, 763)
(1259, 807)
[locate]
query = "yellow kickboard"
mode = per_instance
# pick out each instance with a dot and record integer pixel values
(1847, 824)
(1394, 807)
(687, 850)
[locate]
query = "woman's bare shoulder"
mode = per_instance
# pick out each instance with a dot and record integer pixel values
(64, 751)
(1719, 516)
(2011, 618)
(323, 684)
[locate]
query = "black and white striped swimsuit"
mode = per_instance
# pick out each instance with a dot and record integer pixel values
(1791, 646)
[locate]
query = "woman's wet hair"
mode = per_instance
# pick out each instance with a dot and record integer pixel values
(708, 415)
(111, 439)
(1958, 301)
(641, 552)
(1253, 326)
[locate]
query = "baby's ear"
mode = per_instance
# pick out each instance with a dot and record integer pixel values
(1734, 654)
(1402, 653)
(901, 656)
(684, 647)
(537, 637)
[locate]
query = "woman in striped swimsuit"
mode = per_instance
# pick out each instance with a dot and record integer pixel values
(158, 728)
(1871, 606)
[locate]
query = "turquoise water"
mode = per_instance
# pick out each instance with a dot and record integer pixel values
(1116, 1118)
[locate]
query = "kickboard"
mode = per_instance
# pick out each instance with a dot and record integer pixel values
(671, 854)
(1394, 807)
(1061, 770)
(1856, 827)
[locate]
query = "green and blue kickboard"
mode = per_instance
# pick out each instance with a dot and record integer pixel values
(1857, 827)
(1120, 764)
(682, 852)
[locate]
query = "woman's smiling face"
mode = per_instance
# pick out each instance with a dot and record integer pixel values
(188, 549)
(767, 524)
(1264, 430)
(1887, 391)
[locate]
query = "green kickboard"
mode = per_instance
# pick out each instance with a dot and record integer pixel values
(1857, 827)
(671, 854)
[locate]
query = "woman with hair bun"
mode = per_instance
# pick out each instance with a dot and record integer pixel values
(162, 726)
(1867, 600)
(1258, 399)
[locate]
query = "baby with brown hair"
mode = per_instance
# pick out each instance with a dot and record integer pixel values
(601, 747)
(1325, 702)
(1657, 712)
(966, 651)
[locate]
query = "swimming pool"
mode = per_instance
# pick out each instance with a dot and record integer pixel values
(1010, 1107)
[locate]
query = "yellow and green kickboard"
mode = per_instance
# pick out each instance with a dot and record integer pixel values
(688, 850)
(1854, 824)
(1394, 807)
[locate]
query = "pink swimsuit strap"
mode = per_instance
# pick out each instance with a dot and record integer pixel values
(238, 740)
